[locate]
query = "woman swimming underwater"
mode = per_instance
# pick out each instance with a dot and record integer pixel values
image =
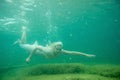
(48, 51)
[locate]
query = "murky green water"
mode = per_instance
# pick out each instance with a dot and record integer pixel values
(90, 26)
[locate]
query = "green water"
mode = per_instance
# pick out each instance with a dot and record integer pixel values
(90, 26)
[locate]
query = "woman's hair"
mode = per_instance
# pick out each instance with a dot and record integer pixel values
(57, 46)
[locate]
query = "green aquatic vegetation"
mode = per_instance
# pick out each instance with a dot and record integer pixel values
(57, 69)
(64, 72)
(105, 70)
(102, 70)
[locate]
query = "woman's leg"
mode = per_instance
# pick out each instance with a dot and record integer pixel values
(23, 37)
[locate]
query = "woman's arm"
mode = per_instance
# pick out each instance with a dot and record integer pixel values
(77, 53)
(30, 55)
(34, 51)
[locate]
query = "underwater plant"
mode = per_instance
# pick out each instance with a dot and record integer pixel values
(64, 72)
(57, 69)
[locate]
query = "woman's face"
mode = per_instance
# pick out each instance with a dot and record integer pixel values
(58, 45)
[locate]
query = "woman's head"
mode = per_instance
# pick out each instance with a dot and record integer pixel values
(57, 46)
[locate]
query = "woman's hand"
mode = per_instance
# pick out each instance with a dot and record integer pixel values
(90, 55)
(28, 60)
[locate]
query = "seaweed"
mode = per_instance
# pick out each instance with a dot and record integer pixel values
(64, 72)
(102, 70)
(105, 70)
(56, 69)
